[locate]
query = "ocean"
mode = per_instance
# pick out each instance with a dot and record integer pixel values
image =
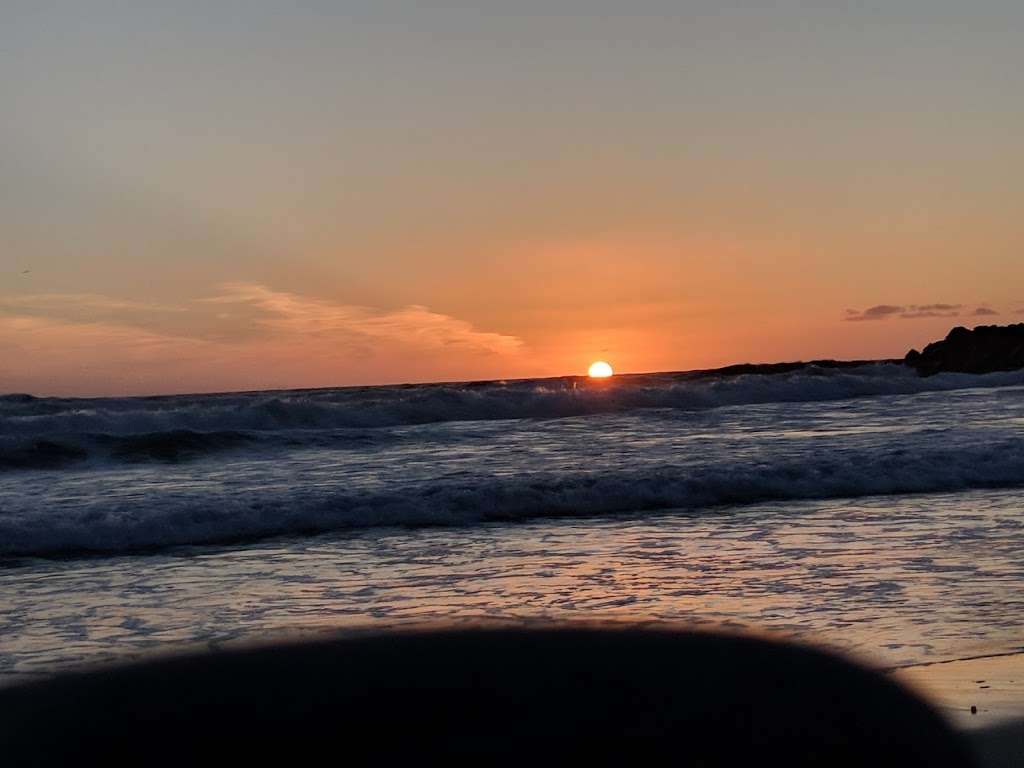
(862, 508)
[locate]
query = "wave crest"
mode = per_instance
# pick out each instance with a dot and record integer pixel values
(210, 515)
(371, 407)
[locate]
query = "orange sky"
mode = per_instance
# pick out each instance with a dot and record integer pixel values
(205, 199)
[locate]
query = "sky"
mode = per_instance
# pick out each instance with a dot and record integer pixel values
(206, 196)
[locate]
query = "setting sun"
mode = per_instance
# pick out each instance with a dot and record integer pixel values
(600, 370)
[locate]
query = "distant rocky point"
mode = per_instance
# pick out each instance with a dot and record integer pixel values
(986, 349)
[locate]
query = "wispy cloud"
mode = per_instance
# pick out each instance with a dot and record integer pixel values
(31, 335)
(915, 311)
(73, 357)
(879, 312)
(984, 312)
(44, 302)
(87, 343)
(903, 312)
(287, 313)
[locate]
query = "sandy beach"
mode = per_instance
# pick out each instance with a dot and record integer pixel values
(982, 696)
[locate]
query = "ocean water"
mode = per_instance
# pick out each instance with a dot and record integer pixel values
(865, 508)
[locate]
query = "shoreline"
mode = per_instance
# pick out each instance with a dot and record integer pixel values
(994, 685)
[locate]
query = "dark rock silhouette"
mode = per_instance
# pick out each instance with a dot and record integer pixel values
(986, 349)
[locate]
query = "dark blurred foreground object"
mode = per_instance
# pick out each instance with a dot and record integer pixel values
(497, 697)
(986, 349)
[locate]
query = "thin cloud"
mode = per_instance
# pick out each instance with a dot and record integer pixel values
(67, 357)
(283, 314)
(49, 302)
(417, 326)
(932, 310)
(30, 333)
(879, 312)
(903, 312)
(983, 312)
(90, 344)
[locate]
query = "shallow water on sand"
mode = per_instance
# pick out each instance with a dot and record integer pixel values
(894, 579)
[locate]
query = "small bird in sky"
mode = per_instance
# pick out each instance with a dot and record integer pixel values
(25, 271)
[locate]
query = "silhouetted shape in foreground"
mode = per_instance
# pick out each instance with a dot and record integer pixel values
(517, 697)
(986, 349)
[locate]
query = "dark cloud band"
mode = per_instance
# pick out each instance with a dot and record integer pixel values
(915, 312)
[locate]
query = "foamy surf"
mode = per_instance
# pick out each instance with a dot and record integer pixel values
(468, 473)
(56, 433)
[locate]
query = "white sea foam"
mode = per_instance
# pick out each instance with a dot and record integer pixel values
(150, 473)
(146, 517)
(370, 407)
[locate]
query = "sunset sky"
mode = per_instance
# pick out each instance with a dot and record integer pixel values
(247, 195)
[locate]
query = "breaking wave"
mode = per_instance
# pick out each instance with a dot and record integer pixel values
(48, 433)
(215, 513)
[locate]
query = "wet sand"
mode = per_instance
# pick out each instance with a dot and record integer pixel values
(994, 687)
